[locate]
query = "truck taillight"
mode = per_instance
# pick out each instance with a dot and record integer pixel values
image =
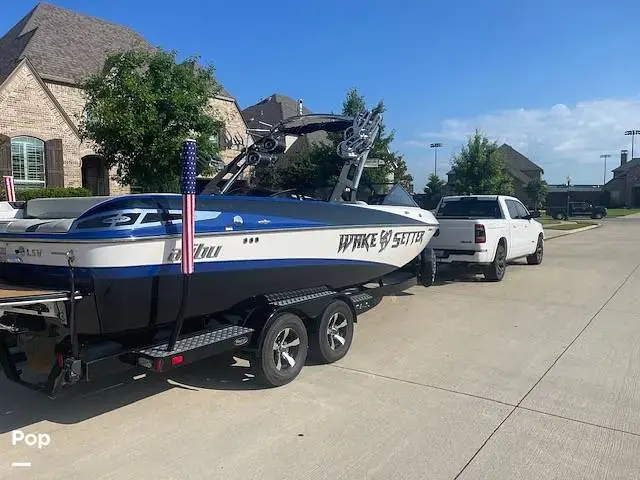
(480, 234)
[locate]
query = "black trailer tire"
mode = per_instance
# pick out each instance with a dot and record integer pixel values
(284, 342)
(332, 333)
(495, 272)
(536, 258)
(428, 267)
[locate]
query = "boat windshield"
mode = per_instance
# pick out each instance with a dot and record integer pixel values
(397, 196)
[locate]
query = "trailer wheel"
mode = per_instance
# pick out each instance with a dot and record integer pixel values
(282, 352)
(332, 334)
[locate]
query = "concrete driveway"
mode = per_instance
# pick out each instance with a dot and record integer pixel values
(536, 377)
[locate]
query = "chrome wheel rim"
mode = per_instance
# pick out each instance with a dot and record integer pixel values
(285, 349)
(337, 331)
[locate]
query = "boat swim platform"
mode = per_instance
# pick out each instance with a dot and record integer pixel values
(15, 295)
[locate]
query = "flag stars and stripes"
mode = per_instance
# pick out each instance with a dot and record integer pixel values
(188, 205)
(9, 188)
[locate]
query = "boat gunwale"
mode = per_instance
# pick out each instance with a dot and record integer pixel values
(33, 238)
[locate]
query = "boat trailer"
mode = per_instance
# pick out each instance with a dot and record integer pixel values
(318, 321)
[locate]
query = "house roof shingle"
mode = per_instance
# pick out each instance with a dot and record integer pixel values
(516, 160)
(630, 164)
(65, 46)
(516, 163)
(272, 110)
(275, 108)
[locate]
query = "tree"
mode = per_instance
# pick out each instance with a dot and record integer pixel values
(141, 108)
(394, 163)
(435, 186)
(537, 191)
(479, 168)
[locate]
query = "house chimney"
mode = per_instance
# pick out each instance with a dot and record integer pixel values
(623, 156)
(299, 106)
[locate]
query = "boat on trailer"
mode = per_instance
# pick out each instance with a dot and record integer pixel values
(89, 283)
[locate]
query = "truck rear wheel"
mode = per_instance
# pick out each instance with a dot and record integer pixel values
(282, 351)
(536, 257)
(428, 267)
(495, 272)
(331, 338)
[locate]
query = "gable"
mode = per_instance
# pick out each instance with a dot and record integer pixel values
(514, 159)
(25, 95)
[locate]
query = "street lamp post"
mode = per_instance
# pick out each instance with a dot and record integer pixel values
(633, 133)
(568, 187)
(435, 147)
(604, 176)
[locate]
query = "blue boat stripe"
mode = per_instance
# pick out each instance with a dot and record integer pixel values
(141, 271)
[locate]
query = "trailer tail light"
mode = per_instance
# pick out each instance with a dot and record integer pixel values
(480, 234)
(177, 360)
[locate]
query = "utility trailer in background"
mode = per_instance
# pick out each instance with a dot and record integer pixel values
(40, 348)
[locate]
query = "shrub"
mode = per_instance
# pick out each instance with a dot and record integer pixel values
(52, 192)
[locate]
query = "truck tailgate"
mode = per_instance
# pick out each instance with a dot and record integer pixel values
(455, 234)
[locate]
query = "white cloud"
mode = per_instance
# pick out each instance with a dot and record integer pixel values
(562, 139)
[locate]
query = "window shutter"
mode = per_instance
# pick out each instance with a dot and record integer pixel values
(6, 167)
(54, 165)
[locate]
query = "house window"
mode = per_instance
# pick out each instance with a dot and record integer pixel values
(27, 158)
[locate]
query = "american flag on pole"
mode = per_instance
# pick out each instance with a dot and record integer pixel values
(9, 188)
(188, 205)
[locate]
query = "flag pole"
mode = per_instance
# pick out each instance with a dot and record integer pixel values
(187, 257)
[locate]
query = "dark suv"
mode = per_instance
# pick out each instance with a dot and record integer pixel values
(577, 209)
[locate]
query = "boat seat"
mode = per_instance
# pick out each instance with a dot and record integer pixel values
(58, 225)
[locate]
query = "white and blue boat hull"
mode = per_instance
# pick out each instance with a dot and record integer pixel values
(127, 253)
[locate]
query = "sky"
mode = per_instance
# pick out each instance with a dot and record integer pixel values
(559, 80)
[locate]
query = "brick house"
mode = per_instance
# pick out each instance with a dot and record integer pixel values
(43, 58)
(520, 169)
(624, 187)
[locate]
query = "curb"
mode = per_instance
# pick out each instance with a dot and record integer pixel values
(571, 232)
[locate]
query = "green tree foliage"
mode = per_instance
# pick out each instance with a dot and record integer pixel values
(435, 186)
(394, 163)
(142, 107)
(537, 191)
(479, 168)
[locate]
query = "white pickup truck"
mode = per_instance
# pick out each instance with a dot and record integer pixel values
(484, 232)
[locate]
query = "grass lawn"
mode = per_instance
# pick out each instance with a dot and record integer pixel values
(571, 226)
(546, 220)
(621, 212)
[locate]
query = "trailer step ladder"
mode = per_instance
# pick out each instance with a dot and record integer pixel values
(192, 348)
